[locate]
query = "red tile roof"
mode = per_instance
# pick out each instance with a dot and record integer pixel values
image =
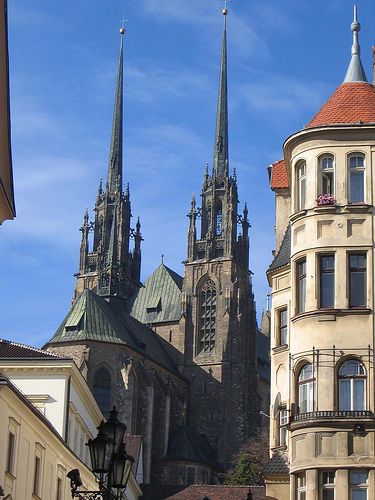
(220, 493)
(351, 103)
(279, 176)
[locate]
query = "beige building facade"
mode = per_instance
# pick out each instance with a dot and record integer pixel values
(322, 322)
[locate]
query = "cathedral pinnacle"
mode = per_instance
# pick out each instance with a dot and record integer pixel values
(221, 134)
(356, 72)
(114, 178)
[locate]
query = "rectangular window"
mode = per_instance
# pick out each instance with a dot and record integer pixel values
(301, 486)
(357, 280)
(301, 286)
(283, 422)
(10, 455)
(59, 489)
(36, 487)
(283, 326)
(358, 484)
(327, 485)
(327, 280)
(190, 475)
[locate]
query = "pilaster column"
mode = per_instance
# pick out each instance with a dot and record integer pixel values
(312, 484)
(341, 484)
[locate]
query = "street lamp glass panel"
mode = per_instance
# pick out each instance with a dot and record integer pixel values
(101, 449)
(121, 468)
(114, 429)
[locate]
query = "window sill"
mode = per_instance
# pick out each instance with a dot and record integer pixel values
(326, 208)
(298, 215)
(357, 207)
(331, 314)
(279, 448)
(281, 348)
(10, 475)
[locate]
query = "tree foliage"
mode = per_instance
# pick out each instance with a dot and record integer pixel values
(249, 462)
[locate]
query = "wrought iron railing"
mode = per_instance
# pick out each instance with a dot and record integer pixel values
(313, 415)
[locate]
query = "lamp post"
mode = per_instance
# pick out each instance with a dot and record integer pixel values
(109, 462)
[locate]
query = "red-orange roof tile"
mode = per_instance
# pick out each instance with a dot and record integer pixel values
(351, 103)
(220, 493)
(279, 176)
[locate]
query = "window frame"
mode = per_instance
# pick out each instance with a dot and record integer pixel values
(282, 328)
(350, 278)
(301, 185)
(322, 274)
(352, 379)
(355, 171)
(300, 278)
(327, 486)
(283, 421)
(11, 448)
(301, 490)
(37, 475)
(328, 173)
(358, 486)
(310, 384)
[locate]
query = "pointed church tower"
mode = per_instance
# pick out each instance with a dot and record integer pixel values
(218, 321)
(111, 269)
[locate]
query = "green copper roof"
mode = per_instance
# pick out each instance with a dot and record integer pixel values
(93, 318)
(159, 301)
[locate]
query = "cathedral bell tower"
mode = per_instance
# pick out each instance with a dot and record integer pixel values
(218, 321)
(111, 268)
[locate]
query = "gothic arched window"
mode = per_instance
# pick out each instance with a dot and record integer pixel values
(102, 389)
(219, 220)
(207, 317)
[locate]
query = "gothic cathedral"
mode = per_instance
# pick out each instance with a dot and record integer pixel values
(182, 358)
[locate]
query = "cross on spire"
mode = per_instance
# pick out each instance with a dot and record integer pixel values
(225, 10)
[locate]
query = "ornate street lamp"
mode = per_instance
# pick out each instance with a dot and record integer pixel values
(109, 462)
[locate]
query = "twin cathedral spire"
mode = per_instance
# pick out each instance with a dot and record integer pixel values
(111, 268)
(218, 214)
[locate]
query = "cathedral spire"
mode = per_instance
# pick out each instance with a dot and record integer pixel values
(356, 72)
(221, 135)
(115, 153)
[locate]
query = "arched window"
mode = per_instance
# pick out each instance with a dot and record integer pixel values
(301, 186)
(356, 167)
(207, 317)
(327, 174)
(102, 389)
(306, 389)
(352, 386)
(219, 220)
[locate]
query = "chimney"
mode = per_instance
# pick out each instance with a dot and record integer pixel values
(373, 61)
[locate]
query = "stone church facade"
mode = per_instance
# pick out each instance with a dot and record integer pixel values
(177, 356)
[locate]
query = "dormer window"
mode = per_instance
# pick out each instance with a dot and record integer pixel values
(356, 167)
(327, 175)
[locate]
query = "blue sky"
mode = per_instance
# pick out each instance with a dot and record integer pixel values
(285, 58)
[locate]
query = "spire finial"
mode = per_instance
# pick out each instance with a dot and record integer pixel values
(356, 72)
(123, 21)
(225, 10)
(162, 258)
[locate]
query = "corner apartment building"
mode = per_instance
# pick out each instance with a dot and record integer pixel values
(322, 324)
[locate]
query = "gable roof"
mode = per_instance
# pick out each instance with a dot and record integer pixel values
(279, 176)
(93, 318)
(159, 301)
(188, 445)
(15, 350)
(283, 255)
(352, 103)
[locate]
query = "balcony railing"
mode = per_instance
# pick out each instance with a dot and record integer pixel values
(315, 415)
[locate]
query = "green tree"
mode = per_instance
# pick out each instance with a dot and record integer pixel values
(249, 462)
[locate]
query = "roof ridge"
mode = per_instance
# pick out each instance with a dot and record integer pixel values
(31, 348)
